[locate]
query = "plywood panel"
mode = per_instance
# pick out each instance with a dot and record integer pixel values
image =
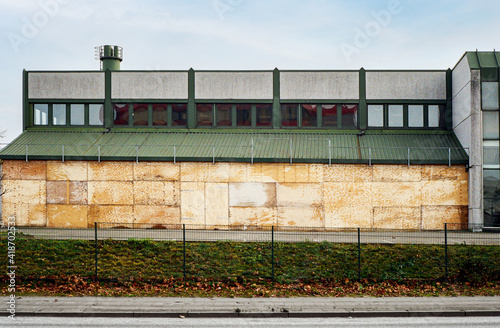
(299, 194)
(76, 171)
(111, 214)
(110, 171)
(434, 217)
(156, 193)
(301, 216)
(444, 192)
(67, 216)
(252, 194)
(157, 214)
(219, 172)
(338, 194)
(349, 216)
(111, 192)
(347, 173)
(400, 217)
(217, 203)
(149, 171)
(396, 194)
(397, 173)
(194, 172)
(444, 172)
(193, 203)
(22, 170)
(264, 216)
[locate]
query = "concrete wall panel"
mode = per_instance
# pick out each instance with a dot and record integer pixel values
(401, 217)
(149, 85)
(264, 216)
(385, 194)
(156, 214)
(162, 171)
(444, 172)
(194, 172)
(111, 193)
(234, 85)
(252, 194)
(66, 85)
(67, 216)
(76, 171)
(218, 172)
(405, 85)
(350, 194)
(319, 85)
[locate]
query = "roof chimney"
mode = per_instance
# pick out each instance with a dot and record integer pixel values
(110, 57)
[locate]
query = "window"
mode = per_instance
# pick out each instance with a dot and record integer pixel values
(289, 114)
(41, 114)
(224, 114)
(415, 116)
(349, 116)
(376, 116)
(396, 116)
(264, 114)
(96, 114)
(140, 114)
(59, 114)
(329, 115)
(434, 116)
(179, 114)
(77, 114)
(491, 128)
(490, 154)
(244, 115)
(309, 115)
(121, 115)
(489, 95)
(204, 114)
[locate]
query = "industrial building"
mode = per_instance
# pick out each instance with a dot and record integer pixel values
(403, 149)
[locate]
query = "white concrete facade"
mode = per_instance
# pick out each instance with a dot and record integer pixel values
(319, 85)
(149, 85)
(234, 85)
(66, 85)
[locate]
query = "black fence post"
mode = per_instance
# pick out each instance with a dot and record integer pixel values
(446, 251)
(96, 251)
(272, 252)
(184, 250)
(359, 253)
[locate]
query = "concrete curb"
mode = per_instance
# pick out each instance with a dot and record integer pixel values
(352, 314)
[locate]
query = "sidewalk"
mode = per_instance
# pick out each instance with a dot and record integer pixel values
(256, 307)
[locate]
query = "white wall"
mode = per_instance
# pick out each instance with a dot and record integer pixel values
(234, 85)
(319, 85)
(149, 85)
(66, 85)
(405, 85)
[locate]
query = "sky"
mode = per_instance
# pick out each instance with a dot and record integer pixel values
(236, 35)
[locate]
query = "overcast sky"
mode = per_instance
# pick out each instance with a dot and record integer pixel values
(236, 34)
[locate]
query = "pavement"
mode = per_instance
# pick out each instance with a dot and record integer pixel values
(256, 307)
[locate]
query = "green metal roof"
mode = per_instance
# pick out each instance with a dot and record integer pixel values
(483, 59)
(391, 147)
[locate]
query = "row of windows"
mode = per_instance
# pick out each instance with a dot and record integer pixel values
(402, 116)
(68, 114)
(252, 115)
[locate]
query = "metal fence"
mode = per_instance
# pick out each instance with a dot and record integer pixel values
(158, 251)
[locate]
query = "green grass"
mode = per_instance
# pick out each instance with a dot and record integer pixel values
(148, 260)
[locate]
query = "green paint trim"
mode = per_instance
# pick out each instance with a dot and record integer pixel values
(191, 107)
(407, 101)
(150, 101)
(234, 101)
(65, 101)
(448, 111)
(108, 103)
(319, 101)
(276, 113)
(362, 107)
(27, 112)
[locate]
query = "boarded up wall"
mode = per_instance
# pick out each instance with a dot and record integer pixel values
(77, 194)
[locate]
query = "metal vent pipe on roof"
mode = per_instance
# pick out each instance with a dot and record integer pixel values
(110, 57)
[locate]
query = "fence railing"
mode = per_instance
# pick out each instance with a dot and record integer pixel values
(288, 150)
(156, 251)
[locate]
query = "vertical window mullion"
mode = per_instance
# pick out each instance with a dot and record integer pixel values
(319, 116)
(169, 115)
(426, 116)
(405, 116)
(253, 116)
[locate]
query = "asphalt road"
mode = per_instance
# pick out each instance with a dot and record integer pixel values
(427, 322)
(340, 236)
